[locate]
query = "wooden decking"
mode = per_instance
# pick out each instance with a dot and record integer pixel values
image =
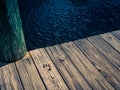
(92, 63)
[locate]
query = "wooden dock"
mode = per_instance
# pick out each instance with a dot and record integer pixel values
(92, 63)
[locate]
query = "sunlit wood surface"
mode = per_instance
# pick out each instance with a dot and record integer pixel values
(91, 63)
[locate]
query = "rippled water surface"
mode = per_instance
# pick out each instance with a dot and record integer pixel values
(49, 22)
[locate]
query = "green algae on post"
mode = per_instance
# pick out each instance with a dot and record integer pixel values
(12, 44)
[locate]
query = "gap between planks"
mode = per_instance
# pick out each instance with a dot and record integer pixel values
(47, 70)
(67, 69)
(90, 73)
(100, 62)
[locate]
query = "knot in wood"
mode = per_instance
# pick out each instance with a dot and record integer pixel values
(110, 37)
(62, 58)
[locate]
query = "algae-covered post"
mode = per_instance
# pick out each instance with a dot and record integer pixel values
(12, 44)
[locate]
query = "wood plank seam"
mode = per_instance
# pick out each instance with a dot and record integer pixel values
(61, 74)
(48, 71)
(76, 67)
(116, 35)
(10, 79)
(30, 77)
(104, 55)
(58, 78)
(92, 61)
(19, 76)
(84, 54)
(59, 51)
(37, 70)
(109, 44)
(69, 46)
(100, 53)
(57, 68)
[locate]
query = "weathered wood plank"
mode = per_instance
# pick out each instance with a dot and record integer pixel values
(9, 79)
(47, 70)
(106, 49)
(112, 40)
(90, 73)
(29, 75)
(117, 34)
(70, 74)
(100, 62)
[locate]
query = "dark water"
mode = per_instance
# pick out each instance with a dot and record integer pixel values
(49, 22)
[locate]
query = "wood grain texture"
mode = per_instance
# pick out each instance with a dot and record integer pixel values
(12, 45)
(47, 70)
(112, 40)
(29, 75)
(69, 72)
(9, 79)
(88, 64)
(100, 62)
(116, 34)
(112, 55)
(90, 73)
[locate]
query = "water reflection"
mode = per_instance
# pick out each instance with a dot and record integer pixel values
(49, 22)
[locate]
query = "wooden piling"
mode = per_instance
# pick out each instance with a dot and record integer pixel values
(12, 44)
